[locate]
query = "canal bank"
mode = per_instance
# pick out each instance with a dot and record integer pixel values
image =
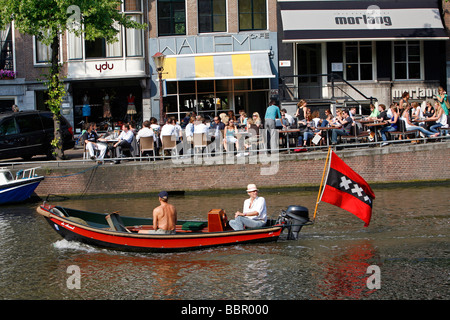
(393, 164)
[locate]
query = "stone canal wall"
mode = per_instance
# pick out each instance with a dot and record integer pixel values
(400, 163)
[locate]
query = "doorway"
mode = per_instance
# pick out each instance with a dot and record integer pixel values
(308, 69)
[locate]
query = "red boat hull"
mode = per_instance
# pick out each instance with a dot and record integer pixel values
(73, 231)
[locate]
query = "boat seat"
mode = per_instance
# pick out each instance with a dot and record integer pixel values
(193, 225)
(115, 222)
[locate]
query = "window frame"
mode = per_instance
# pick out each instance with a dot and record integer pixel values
(359, 63)
(170, 19)
(212, 15)
(122, 36)
(420, 61)
(253, 16)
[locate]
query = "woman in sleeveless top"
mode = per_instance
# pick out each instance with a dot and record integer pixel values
(441, 119)
(393, 123)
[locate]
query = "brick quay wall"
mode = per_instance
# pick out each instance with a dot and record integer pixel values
(393, 164)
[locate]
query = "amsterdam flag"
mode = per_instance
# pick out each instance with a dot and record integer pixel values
(347, 189)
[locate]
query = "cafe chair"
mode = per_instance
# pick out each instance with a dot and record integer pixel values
(146, 144)
(199, 141)
(168, 143)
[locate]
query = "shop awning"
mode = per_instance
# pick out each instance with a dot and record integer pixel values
(321, 21)
(216, 66)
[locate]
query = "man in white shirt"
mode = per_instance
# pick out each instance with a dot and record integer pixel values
(146, 131)
(124, 140)
(168, 129)
(254, 214)
(200, 126)
(289, 118)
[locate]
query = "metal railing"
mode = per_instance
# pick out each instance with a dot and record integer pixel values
(328, 81)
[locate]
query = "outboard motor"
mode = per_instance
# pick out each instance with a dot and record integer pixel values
(294, 218)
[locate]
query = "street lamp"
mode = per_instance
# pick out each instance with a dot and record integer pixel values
(159, 58)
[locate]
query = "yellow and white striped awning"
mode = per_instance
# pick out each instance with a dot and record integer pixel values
(216, 66)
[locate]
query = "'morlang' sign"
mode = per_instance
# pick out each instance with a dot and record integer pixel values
(364, 19)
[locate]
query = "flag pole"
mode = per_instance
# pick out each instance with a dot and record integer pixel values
(321, 183)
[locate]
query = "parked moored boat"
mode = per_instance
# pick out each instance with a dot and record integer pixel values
(20, 187)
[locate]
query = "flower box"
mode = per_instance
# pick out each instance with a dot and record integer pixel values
(7, 75)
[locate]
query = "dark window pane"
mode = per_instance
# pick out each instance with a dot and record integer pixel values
(414, 71)
(400, 71)
(366, 72)
(352, 72)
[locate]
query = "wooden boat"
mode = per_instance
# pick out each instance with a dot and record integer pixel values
(122, 233)
(18, 188)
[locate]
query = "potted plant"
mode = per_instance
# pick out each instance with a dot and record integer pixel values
(7, 74)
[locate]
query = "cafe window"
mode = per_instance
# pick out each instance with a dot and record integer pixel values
(171, 17)
(358, 61)
(252, 15)
(212, 15)
(210, 97)
(407, 62)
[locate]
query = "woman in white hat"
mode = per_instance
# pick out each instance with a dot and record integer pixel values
(254, 214)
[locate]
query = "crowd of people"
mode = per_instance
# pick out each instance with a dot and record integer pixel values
(400, 119)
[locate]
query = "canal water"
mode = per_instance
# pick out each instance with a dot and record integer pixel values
(403, 254)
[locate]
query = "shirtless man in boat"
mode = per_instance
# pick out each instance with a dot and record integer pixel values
(164, 217)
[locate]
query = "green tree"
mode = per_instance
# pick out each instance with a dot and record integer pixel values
(48, 19)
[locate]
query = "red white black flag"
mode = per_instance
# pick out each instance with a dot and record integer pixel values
(346, 189)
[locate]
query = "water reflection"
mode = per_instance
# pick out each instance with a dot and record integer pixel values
(343, 275)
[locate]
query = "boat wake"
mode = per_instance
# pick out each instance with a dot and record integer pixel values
(73, 245)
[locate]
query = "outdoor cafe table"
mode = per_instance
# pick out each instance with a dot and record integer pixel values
(327, 130)
(375, 126)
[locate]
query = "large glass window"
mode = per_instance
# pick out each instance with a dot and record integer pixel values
(211, 97)
(407, 63)
(358, 61)
(212, 15)
(252, 15)
(171, 17)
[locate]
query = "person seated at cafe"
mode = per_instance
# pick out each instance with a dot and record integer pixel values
(254, 213)
(93, 143)
(417, 114)
(164, 216)
(374, 113)
(392, 124)
(290, 119)
(200, 125)
(124, 141)
(429, 110)
(242, 121)
(257, 120)
(189, 130)
(345, 125)
(132, 125)
(217, 127)
(441, 119)
(410, 126)
(312, 127)
(168, 129)
(229, 135)
(146, 131)
(383, 116)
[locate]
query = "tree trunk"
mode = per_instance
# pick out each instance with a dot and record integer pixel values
(55, 105)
